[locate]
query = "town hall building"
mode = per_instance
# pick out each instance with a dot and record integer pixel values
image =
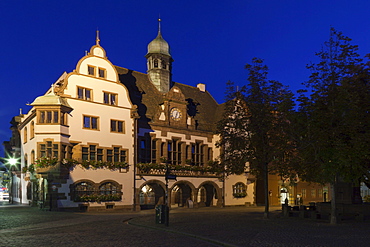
(105, 137)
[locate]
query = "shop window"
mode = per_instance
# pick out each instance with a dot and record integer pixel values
(239, 190)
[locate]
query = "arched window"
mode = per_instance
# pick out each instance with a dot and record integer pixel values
(32, 156)
(25, 134)
(155, 63)
(81, 191)
(32, 130)
(25, 160)
(239, 190)
(108, 188)
(164, 65)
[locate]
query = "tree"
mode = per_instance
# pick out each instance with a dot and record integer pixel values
(254, 131)
(333, 120)
(270, 106)
(233, 131)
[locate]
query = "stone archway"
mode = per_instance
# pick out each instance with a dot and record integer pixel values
(209, 194)
(151, 194)
(180, 194)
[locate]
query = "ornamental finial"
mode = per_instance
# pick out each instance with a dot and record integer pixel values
(97, 38)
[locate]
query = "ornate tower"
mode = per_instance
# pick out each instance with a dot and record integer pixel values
(159, 62)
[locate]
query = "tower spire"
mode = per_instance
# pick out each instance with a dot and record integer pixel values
(97, 38)
(159, 24)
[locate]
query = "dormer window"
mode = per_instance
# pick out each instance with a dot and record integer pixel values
(102, 73)
(90, 70)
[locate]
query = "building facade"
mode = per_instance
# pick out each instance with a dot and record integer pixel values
(105, 137)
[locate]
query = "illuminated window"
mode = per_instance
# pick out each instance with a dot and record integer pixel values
(117, 126)
(108, 188)
(82, 189)
(239, 190)
(84, 93)
(313, 193)
(304, 193)
(110, 98)
(90, 122)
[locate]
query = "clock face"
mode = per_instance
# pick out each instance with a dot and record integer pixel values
(175, 114)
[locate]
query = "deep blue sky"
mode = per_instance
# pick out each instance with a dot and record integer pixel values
(211, 40)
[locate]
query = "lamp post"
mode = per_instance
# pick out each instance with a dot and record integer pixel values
(168, 176)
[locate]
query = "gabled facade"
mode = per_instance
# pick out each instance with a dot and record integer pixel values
(102, 136)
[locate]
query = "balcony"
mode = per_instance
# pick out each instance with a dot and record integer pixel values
(151, 169)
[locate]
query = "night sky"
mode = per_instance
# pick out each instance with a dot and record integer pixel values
(210, 40)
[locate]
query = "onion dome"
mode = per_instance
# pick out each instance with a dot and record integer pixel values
(159, 45)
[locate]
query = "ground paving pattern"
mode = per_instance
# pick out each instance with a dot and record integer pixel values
(234, 226)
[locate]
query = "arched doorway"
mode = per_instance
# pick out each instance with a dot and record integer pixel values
(180, 194)
(150, 195)
(208, 195)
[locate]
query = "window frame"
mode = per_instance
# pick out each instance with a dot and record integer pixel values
(108, 98)
(115, 123)
(89, 68)
(90, 127)
(83, 95)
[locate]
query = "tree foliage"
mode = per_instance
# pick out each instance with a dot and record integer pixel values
(233, 131)
(270, 105)
(334, 119)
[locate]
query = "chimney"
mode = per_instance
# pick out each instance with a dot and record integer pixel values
(201, 87)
